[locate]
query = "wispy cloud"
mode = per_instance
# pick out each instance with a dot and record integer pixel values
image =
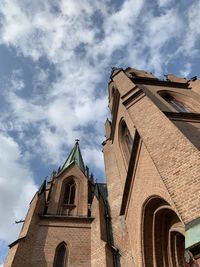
(192, 34)
(16, 187)
(186, 70)
(164, 3)
(16, 80)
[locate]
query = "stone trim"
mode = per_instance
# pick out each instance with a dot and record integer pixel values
(66, 218)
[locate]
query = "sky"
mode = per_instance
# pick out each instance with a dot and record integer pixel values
(55, 64)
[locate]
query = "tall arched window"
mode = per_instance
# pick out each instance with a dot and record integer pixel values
(163, 235)
(126, 140)
(61, 256)
(68, 199)
(70, 190)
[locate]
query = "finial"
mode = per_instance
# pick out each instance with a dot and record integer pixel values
(77, 140)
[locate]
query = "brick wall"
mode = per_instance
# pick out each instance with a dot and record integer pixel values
(175, 158)
(98, 257)
(115, 190)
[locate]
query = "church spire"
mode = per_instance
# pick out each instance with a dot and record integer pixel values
(76, 157)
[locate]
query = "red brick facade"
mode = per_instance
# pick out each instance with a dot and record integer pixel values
(155, 194)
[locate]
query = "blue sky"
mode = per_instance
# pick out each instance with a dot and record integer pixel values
(55, 63)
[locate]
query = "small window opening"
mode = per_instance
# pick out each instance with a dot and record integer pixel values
(60, 259)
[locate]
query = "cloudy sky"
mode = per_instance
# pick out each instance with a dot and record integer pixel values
(55, 62)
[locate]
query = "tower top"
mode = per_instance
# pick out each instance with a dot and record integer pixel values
(76, 157)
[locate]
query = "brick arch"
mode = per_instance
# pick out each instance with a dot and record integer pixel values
(162, 235)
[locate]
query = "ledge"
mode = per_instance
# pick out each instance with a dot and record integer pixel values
(133, 95)
(156, 82)
(67, 218)
(186, 116)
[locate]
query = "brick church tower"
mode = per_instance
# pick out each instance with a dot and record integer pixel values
(152, 163)
(57, 228)
(148, 214)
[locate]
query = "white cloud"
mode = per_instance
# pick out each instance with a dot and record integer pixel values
(164, 3)
(127, 14)
(16, 187)
(24, 111)
(17, 83)
(193, 30)
(158, 32)
(43, 32)
(67, 117)
(14, 31)
(186, 70)
(93, 157)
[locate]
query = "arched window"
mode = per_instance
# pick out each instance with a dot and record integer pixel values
(179, 102)
(126, 140)
(67, 204)
(163, 235)
(61, 256)
(70, 190)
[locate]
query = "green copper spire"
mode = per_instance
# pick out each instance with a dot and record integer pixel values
(75, 156)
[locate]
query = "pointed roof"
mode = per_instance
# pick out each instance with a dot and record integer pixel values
(76, 157)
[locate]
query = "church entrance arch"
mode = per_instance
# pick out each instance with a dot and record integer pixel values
(163, 235)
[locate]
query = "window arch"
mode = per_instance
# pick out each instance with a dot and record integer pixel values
(126, 140)
(180, 102)
(61, 256)
(70, 191)
(163, 235)
(68, 198)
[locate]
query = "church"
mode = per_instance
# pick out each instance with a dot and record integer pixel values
(148, 212)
